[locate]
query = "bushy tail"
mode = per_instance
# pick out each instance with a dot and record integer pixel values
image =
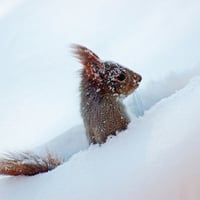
(27, 163)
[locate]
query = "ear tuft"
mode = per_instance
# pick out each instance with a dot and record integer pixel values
(91, 62)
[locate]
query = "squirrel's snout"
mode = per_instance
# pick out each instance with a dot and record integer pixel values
(137, 78)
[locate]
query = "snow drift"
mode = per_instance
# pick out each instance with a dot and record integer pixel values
(156, 158)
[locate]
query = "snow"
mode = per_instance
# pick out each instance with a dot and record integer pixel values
(7, 6)
(157, 157)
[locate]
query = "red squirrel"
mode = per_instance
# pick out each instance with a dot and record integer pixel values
(103, 84)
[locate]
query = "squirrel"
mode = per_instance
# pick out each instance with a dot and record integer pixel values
(103, 85)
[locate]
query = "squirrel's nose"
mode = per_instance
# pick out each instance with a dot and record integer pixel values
(137, 77)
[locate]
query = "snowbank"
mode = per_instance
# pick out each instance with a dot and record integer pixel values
(156, 158)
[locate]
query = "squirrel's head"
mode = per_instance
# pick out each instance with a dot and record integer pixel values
(110, 78)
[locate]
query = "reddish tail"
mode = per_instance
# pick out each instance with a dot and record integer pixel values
(27, 163)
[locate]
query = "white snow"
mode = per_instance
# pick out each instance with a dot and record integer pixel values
(157, 157)
(6, 6)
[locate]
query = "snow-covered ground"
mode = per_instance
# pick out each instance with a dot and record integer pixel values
(157, 158)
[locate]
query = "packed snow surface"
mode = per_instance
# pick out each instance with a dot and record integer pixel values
(157, 157)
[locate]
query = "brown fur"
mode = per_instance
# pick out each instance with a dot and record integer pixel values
(27, 163)
(101, 89)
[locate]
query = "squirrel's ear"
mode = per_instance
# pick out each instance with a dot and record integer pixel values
(91, 62)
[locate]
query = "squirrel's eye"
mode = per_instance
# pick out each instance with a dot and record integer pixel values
(121, 77)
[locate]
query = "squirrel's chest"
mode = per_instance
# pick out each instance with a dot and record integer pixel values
(103, 117)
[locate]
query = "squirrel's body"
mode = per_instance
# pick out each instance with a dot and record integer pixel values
(102, 114)
(103, 84)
